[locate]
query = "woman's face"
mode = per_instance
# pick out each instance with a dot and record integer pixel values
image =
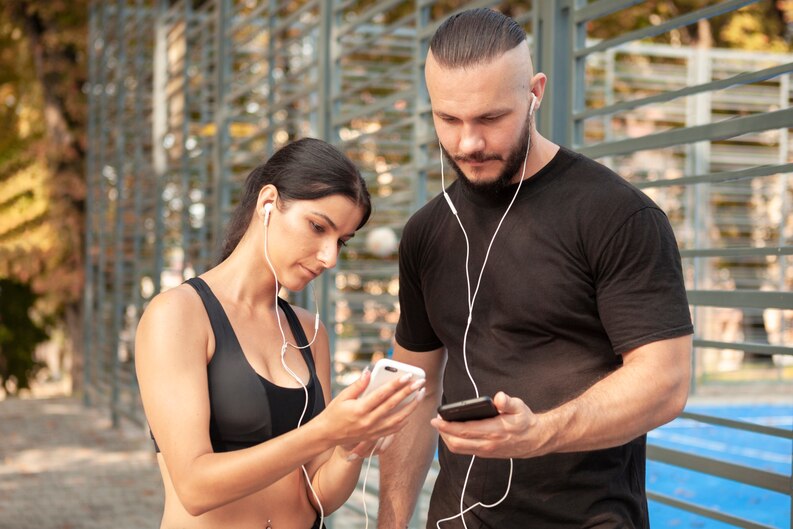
(304, 237)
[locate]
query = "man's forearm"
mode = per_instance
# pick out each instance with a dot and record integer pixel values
(404, 466)
(649, 390)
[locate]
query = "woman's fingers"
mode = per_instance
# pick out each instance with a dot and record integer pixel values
(363, 420)
(393, 395)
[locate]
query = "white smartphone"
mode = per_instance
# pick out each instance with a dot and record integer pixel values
(386, 370)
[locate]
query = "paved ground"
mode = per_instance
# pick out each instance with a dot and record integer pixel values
(63, 467)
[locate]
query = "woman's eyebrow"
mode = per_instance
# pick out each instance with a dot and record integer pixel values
(330, 222)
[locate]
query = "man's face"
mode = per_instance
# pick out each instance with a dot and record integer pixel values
(481, 116)
(510, 169)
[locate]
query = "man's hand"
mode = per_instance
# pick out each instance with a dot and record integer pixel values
(513, 433)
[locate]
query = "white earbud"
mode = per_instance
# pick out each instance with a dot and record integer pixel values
(267, 209)
(533, 103)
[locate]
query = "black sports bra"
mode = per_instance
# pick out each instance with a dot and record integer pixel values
(245, 408)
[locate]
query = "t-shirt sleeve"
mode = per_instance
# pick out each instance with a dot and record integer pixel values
(640, 291)
(414, 331)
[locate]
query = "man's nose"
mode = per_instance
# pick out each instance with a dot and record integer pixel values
(471, 140)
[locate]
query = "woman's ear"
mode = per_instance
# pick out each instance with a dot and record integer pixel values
(268, 195)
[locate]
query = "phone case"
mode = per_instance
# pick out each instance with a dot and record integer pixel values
(386, 370)
(469, 410)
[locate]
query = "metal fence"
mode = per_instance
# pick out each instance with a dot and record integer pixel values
(186, 97)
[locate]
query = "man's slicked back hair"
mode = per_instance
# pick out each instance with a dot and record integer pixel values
(474, 37)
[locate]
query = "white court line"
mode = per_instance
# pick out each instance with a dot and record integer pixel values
(718, 446)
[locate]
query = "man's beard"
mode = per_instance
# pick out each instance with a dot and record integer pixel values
(514, 161)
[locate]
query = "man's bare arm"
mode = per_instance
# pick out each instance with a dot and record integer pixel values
(649, 390)
(404, 465)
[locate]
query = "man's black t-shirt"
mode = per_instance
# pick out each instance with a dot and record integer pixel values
(584, 268)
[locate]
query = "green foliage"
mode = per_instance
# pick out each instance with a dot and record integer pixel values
(42, 71)
(19, 336)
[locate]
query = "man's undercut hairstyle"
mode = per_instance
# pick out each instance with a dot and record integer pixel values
(474, 37)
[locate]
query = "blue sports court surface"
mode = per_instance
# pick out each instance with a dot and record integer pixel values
(725, 444)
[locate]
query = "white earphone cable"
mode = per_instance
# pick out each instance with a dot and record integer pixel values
(284, 345)
(471, 300)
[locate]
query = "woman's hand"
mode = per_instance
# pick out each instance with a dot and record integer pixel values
(363, 425)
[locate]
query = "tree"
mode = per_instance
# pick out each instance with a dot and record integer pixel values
(19, 336)
(42, 150)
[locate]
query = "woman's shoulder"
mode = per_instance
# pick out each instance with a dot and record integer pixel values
(175, 308)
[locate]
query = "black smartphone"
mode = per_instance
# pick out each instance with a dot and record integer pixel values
(468, 410)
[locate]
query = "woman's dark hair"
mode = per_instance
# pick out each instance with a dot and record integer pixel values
(307, 169)
(473, 37)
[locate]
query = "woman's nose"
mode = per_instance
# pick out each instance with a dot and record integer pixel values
(328, 253)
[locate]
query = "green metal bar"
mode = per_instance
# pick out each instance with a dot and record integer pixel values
(575, 129)
(651, 31)
(184, 162)
(738, 425)
(739, 79)
(118, 258)
(739, 473)
(207, 235)
(759, 348)
(101, 364)
(554, 51)
(142, 16)
(422, 109)
(383, 103)
(90, 170)
(721, 177)
(729, 128)
(378, 7)
(600, 9)
(709, 513)
(331, 80)
(219, 180)
(745, 299)
(737, 252)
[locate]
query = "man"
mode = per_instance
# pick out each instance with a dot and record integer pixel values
(580, 330)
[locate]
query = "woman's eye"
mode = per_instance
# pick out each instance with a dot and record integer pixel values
(316, 227)
(342, 243)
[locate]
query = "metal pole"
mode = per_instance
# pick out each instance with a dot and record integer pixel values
(90, 169)
(219, 177)
(120, 170)
(159, 129)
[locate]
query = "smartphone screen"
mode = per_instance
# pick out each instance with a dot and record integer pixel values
(469, 410)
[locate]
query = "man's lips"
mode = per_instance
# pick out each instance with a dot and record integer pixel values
(469, 161)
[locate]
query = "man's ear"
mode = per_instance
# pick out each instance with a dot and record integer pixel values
(537, 89)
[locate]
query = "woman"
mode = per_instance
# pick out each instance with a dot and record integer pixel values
(225, 376)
